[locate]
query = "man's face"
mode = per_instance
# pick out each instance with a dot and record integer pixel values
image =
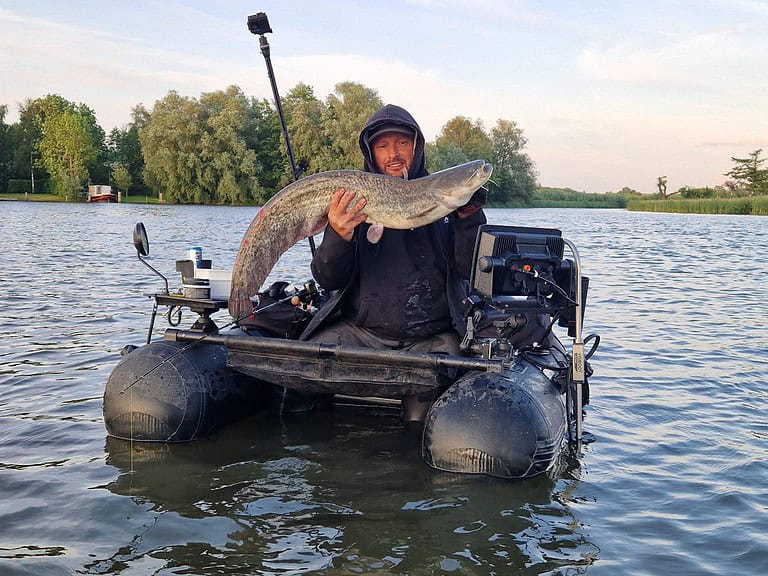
(393, 153)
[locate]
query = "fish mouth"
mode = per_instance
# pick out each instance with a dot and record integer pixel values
(478, 178)
(483, 173)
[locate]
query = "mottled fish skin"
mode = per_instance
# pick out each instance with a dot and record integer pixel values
(301, 209)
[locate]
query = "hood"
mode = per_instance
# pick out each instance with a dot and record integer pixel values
(391, 114)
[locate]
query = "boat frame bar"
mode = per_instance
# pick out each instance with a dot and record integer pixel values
(302, 350)
(577, 357)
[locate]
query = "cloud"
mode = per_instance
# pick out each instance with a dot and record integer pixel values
(107, 71)
(113, 72)
(735, 144)
(697, 61)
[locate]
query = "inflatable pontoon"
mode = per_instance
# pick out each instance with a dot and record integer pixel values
(507, 408)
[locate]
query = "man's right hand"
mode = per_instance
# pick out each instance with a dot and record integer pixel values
(344, 215)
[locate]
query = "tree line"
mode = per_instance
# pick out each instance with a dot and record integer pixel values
(227, 148)
(746, 178)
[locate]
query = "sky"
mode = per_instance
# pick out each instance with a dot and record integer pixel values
(609, 94)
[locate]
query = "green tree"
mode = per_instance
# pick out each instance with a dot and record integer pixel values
(468, 136)
(140, 116)
(23, 158)
(204, 151)
(121, 177)
(5, 150)
(749, 175)
(264, 136)
(688, 192)
(346, 112)
(39, 110)
(229, 166)
(27, 134)
(628, 192)
(125, 149)
(304, 118)
(67, 149)
(169, 142)
(36, 117)
(514, 176)
(32, 116)
(98, 163)
(445, 155)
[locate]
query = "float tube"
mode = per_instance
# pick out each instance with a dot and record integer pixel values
(506, 409)
(162, 392)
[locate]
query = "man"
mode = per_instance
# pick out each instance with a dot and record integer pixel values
(403, 292)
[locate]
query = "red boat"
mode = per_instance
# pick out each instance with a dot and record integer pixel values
(101, 193)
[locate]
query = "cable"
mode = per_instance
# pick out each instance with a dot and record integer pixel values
(596, 338)
(563, 293)
(171, 311)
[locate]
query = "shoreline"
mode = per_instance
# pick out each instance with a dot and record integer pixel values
(746, 206)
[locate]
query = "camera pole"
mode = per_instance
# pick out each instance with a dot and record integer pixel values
(259, 24)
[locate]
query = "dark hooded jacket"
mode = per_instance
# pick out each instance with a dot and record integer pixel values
(409, 285)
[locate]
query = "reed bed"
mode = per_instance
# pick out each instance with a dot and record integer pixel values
(751, 205)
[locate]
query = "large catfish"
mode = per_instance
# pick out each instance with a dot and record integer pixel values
(301, 209)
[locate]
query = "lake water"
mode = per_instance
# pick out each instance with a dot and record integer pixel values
(674, 482)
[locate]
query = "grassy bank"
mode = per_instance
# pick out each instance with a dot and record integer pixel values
(547, 197)
(141, 199)
(137, 199)
(752, 205)
(31, 197)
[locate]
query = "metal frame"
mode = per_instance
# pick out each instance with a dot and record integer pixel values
(577, 355)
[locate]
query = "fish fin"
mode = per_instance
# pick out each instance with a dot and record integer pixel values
(375, 231)
(424, 213)
(313, 228)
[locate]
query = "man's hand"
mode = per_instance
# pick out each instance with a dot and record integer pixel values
(343, 215)
(475, 203)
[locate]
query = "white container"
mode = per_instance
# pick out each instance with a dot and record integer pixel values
(220, 282)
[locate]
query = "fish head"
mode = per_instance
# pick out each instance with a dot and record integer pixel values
(455, 186)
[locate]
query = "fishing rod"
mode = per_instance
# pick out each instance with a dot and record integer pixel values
(259, 24)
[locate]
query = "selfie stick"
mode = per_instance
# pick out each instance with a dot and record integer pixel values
(259, 24)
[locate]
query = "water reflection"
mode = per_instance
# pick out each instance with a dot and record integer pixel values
(293, 497)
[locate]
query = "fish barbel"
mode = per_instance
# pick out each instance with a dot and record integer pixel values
(300, 210)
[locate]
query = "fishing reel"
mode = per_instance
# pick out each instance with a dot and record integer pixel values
(306, 297)
(283, 310)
